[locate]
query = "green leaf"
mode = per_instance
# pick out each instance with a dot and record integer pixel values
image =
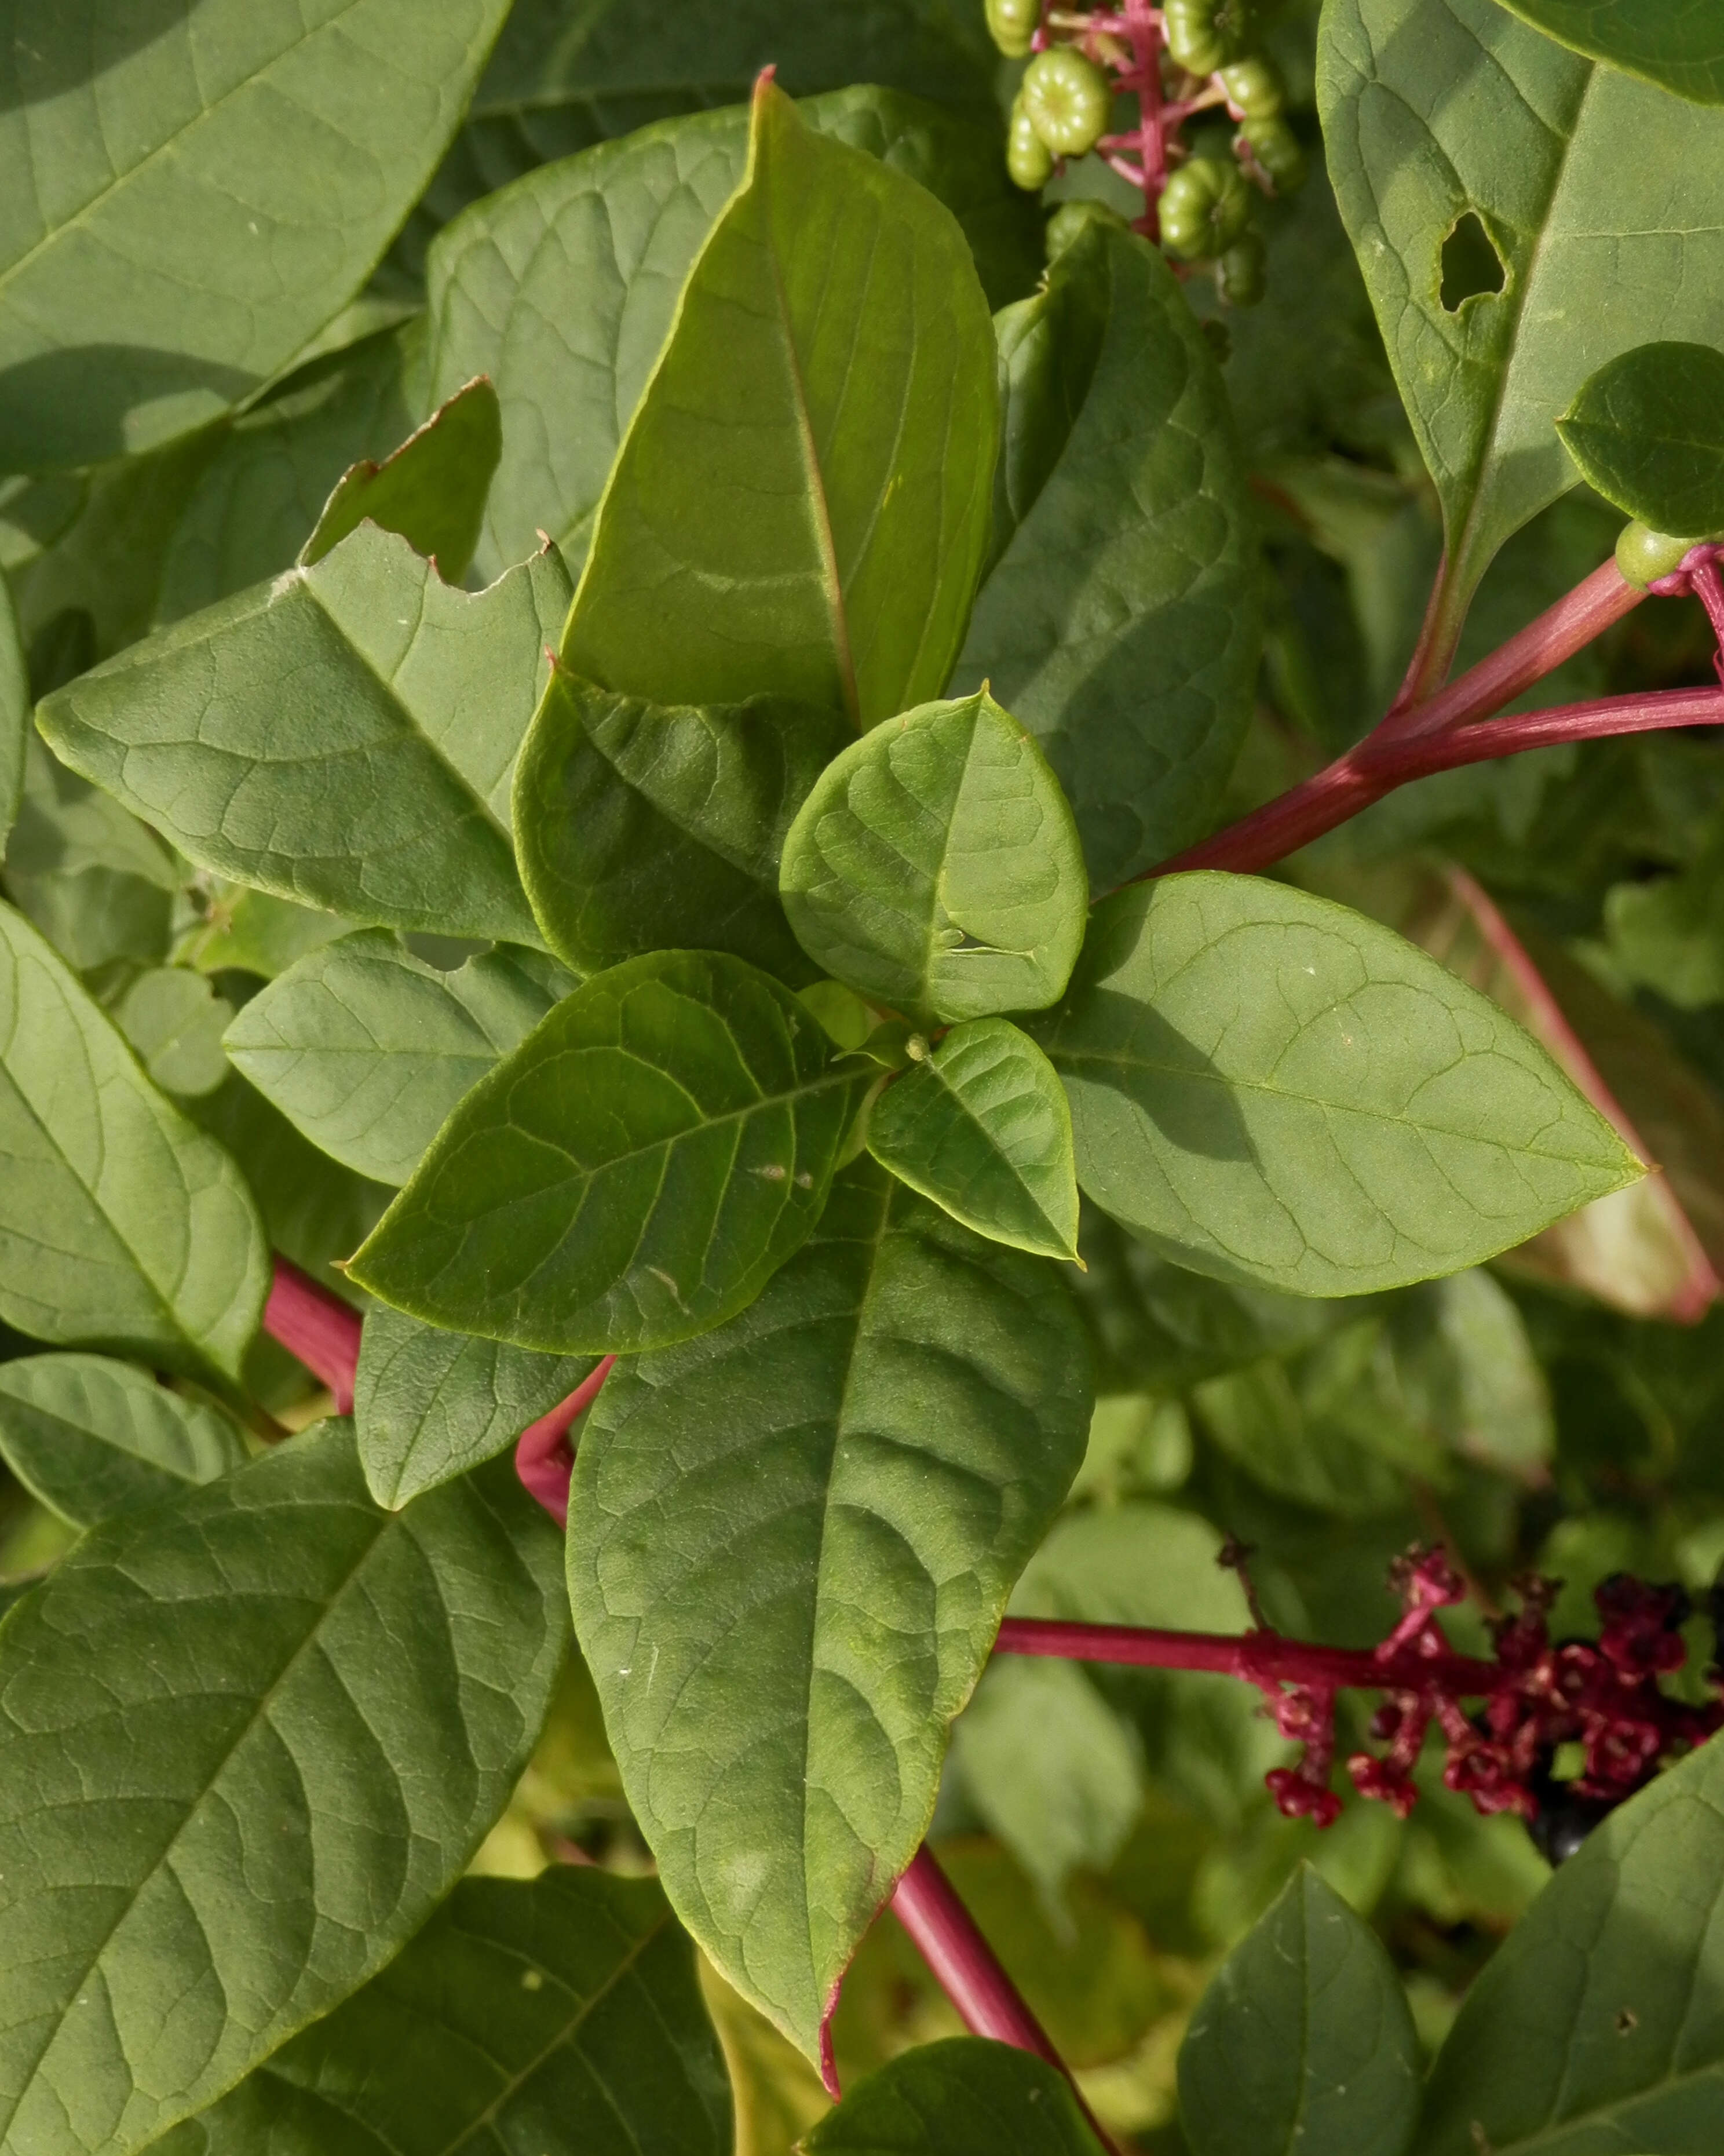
(1647, 431)
(92, 880)
(366, 1050)
(345, 736)
(981, 1126)
(428, 1405)
(249, 1740)
(90, 1437)
(1668, 933)
(647, 827)
(253, 933)
(174, 1019)
(563, 2011)
(937, 868)
(1303, 2039)
(14, 714)
(1461, 142)
(790, 1544)
(830, 377)
(432, 489)
(633, 1174)
(1267, 1086)
(1119, 616)
(120, 1224)
(1681, 48)
(963, 2097)
(196, 193)
(1596, 2025)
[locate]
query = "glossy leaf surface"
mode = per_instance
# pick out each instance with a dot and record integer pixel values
(935, 866)
(1118, 618)
(196, 192)
(270, 1681)
(633, 1173)
(964, 2096)
(649, 827)
(1597, 192)
(367, 1048)
(830, 375)
(1303, 2039)
(90, 1437)
(1679, 43)
(563, 2010)
(432, 489)
(1647, 431)
(121, 1223)
(428, 1405)
(402, 703)
(791, 1541)
(980, 1125)
(1271, 1087)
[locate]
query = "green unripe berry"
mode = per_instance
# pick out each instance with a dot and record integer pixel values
(1204, 208)
(1011, 23)
(1643, 556)
(1028, 160)
(1068, 100)
(1239, 273)
(1278, 151)
(1074, 219)
(1254, 88)
(1204, 35)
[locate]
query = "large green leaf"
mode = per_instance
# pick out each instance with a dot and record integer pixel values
(1271, 1087)
(345, 736)
(1119, 619)
(1647, 432)
(248, 1741)
(14, 714)
(935, 866)
(428, 1405)
(790, 1544)
(367, 1048)
(633, 1174)
(432, 489)
(1597, 195)
(963, 2097)
(830, 378)
(1303, 2039)
(90, 1437)
(563, 287)
(120, 1224)
(644, 827)
(562, 2012)
(980, 1125)
(195, 191)
(1600, 2023)
(92, 880)
(1677, 43)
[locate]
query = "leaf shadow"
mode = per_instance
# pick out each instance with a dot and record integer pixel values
(1166, 1077)
(68, 45)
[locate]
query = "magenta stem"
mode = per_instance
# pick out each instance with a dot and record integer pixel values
(543, 1458)
(1258, 1658)
(316, 1326)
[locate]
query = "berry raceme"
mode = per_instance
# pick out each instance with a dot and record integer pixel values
(1204, 35)
(1205, 207)
(1028, 160)
(1013, 25)
(1067, 98)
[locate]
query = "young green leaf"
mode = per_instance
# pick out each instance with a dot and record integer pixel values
(1588, 197)
(159, 261)
(432, 489)
(91, 1437)
(253, 932)
(1271, 1087)
(265, 1680)
(1647, 431)
(830, 380)
(790, 1543)
(345, 736)
(1681, 48)
(367, 1048)
(935, 866)
(562, 2011)
(980, 1125)
(174, 1019)
(1303, 2039)
(120, 1224)
(961, 2097)
(1119, 617)
(428, 1405)
(649, 827)
(633, 1174)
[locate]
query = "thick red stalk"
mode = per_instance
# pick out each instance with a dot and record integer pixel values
(544, 1459)
(313, 1324)
(1258, 1658)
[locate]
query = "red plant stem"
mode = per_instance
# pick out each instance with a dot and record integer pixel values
(313, 1324)
(1146, 81)
(544, 1459)
(1258, 1658)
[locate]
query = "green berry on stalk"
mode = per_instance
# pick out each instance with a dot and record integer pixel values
(1254, 88)
(1278, 151)
(1643, 556)
(1239, 273)
(1067, 98)
(1204, 35)
(1204, 208)
(1073, 218)
(1030, 162)
(1011, 24)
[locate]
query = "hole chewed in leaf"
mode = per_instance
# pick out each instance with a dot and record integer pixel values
(1472, 267)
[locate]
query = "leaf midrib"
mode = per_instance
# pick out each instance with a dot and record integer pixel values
(1606, 2114)
(974, 1122)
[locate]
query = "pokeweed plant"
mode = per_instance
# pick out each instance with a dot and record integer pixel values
(636, 899)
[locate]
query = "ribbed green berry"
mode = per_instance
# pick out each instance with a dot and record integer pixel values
(1239, 273)
(1028, 160)
(1204, 208)
(1278, 150)
(1254, 88)
(1073, 218)
(1067, 98)
(1204, 35)
(1643, 556)
(1011, 23)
